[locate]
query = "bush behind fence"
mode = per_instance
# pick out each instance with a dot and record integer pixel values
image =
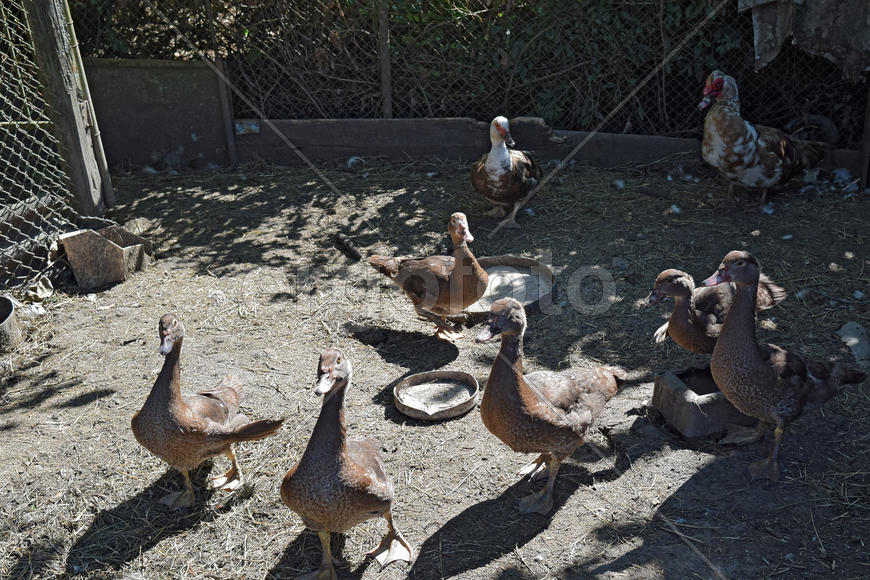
(568, 62)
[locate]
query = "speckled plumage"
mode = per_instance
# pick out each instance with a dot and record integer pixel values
(186, 430)
(749, 155)
(340, 482)
(698, 313)
(504, 176)
(543, 412)
(763, 380)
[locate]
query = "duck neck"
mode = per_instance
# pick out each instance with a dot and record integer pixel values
(499, 157)
(167, 387)
(508, 366)
(738, 331)
(330, 431)
(684, 308)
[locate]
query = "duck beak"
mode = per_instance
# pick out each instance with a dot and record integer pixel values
(654, 296)
(464, 232)
(166, 345)
(487, 333)
(324, 384)
(719, 277)
(705, 102)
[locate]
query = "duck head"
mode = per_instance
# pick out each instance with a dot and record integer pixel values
(457, 227)
(499, 130)
(671, 283)
(170, 331)
(333, 371)
(507, 317)
(718, 87)
(739, 267)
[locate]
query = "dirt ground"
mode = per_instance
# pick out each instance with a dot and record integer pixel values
(248, 260)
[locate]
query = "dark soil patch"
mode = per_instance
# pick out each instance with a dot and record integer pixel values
(248, 260)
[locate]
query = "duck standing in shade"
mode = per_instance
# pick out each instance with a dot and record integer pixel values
(543, 412)
(763, 380)
(504, 176)
(341, 482)
(753, 156)
(698, 313)
(439, 285)
(185, 430)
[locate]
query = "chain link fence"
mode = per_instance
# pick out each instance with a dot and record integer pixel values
(36, 203)
(568, 62)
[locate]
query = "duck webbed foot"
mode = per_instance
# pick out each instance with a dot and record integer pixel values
(496, 211)
(392, 547)
(537, 503)
(232, 479)
(741, 435)
(769, 468)
(443, 329)
(536, 469)
(326, 570)
(183, 498)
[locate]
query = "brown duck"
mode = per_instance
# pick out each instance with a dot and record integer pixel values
(763, 380)
(341, 482)
(543, 412)
(439, 286)
(753, 156)
(185, 430)
(504, 176)
(699, 312)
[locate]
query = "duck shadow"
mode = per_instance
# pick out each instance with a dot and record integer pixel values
(486, 531)
(302, 555)
(122, 533)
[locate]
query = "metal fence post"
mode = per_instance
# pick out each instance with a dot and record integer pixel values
(384, 53)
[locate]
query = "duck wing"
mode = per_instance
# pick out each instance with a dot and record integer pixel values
(576, 395)
(220, 403)
(422, 278)
(779, 153)
(366, 470)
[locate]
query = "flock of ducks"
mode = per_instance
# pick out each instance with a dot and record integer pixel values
(341, 481)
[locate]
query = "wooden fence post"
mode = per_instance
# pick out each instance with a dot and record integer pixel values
(68, 113)
(384, 52)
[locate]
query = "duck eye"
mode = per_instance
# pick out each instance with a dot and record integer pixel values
(338, 360)
(738, 263)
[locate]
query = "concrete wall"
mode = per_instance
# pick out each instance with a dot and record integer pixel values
(167, 113)
(157, 113)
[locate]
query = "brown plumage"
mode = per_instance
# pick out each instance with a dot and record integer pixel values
(439, 286)
(543, 412)
(699, 312)
(763, 380)
(504, 176)
(185, 430)
(753, 156)
(341, 482)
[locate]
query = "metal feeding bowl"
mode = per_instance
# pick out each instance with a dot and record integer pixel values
(528, 281)
(436, 395)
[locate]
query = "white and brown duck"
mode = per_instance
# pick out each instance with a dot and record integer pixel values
(185, 430)
(543, 412)
(504, 176)
(439, 286)
(341, 482)
(753, 156)
(698, 313)
(763, 380)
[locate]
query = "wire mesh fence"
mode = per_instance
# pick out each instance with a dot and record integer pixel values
(35, 199)
(568, 62)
